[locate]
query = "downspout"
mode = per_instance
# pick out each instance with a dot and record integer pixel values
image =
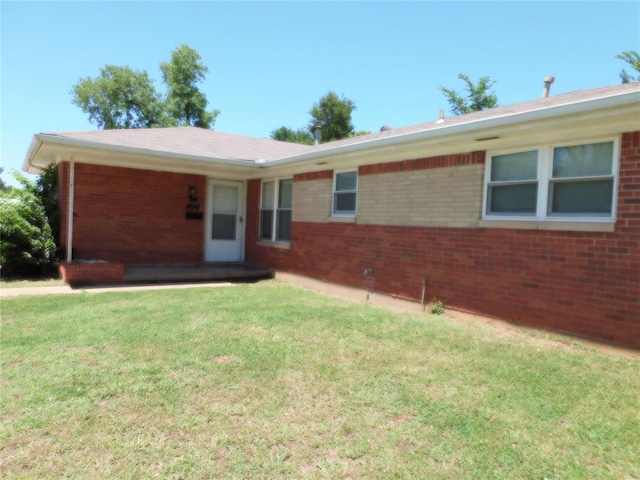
(72, 175)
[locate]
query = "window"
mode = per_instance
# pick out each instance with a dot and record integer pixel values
(513, 184)
(345, 190)
(582, 180)
(276, 210)
(562, 182)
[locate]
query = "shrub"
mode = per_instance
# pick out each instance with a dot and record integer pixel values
(27, 245)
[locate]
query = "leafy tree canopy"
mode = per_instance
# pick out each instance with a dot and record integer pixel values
(285, 134)
(334, 115)
(633, 59)
(477, 97)
(121, 97)
(185, 103)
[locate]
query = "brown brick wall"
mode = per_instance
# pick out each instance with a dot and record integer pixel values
(132, 216)
(587, 283)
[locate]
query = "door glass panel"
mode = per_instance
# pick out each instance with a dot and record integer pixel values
(225, 209)
(225, 199)
(223, 227)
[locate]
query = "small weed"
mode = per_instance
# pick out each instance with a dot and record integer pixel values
(437, 307)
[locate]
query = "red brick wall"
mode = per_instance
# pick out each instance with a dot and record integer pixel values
(577, 282)
(132, 216)
(92, 273)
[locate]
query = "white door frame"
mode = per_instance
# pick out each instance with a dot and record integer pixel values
(242, 208)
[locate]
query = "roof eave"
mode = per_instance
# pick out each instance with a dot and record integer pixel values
(40, 139)
(550, 112)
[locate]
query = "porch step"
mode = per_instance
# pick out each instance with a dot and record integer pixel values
(194, 272)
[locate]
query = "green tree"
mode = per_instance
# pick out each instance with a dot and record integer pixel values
(285, 134)
(477, 98)
(334, 115)
(633, 59)
(185, 103)
(120, 97)
(3, 186)
(26, 241)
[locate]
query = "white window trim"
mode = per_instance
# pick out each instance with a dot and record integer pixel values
(545, 161)
(333, 194)
(274, 220)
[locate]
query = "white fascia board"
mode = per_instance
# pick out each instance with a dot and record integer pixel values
(628, 98)
(32, 153)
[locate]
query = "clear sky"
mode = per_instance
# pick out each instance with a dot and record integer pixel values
(269, 62)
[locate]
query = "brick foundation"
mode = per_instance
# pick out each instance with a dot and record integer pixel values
(92, 273)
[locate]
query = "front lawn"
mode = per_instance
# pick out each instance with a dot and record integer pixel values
(266, 381)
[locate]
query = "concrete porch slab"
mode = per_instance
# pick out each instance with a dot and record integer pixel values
(191, 272)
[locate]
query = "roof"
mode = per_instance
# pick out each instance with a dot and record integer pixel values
(202, 148)
(539, 104)
(194, 141)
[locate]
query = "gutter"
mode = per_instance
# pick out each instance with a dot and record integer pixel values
(32, 153)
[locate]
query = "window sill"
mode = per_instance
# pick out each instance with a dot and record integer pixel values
(342, 219)
(564, 226)
(272, 244)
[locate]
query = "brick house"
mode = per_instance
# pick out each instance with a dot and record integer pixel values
(529, 212)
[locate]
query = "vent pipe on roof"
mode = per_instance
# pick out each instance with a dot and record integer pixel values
(547, 86)
(441, 119)
(316, 133)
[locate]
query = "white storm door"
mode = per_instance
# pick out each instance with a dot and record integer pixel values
(225, 222)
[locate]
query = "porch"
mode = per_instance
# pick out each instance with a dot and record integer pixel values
(194, 272)
(101, 272)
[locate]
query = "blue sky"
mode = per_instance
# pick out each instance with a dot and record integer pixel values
(270, 61)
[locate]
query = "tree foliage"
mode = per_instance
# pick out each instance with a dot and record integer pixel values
(185, 103)
(285, 134)
(121, 97)
(334, 115)
(477, 97)
(27, 245)
(3, 186)
(633, 59)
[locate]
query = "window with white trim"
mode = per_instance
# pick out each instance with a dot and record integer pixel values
(345, 193)
(276, 210)
(554, 182)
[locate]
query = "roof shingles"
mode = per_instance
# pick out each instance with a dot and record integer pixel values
(217, 145)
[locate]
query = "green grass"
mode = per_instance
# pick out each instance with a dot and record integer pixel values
(25, 283)
(266, 381)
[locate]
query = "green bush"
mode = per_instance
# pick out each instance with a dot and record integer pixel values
(27, 245)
